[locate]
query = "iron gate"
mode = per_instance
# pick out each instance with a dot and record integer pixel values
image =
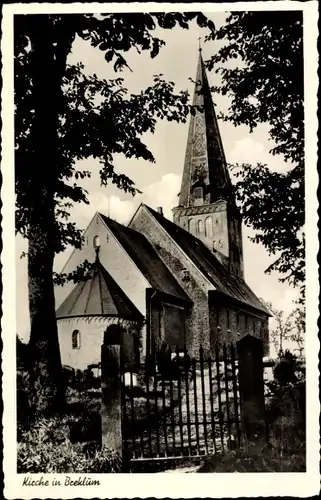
(179, 406)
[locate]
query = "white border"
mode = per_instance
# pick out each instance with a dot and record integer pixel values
(156, 485)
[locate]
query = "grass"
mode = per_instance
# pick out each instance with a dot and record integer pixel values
(258, 457)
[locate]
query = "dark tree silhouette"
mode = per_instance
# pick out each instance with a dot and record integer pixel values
(265, 85)
(63, 115)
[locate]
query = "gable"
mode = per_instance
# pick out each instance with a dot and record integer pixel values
(171, 253)
(114, 258)
(145, 258)
(207, 264)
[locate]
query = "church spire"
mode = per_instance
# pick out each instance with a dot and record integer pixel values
(207, 206)
(205, 163)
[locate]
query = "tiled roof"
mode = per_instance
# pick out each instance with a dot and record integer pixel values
(100, 295)
(146, 259)
(231, 285)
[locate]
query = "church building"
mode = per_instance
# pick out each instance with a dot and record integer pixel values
(183, 281)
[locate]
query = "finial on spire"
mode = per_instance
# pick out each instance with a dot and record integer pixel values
(199, 43)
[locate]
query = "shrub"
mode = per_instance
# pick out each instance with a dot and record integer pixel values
(46, 448)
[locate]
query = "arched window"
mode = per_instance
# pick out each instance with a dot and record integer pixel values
(198, 196)
(200, 226)
(75, 339)
(208, 227)
(191, 225)
(214, 245)
(96, 242)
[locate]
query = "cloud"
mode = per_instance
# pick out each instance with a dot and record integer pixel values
(247, 150)
(250, 150)
(163, 193)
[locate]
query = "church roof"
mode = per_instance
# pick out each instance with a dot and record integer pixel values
(225, 282)
(146, 259)
(204, 158)
(99, 295)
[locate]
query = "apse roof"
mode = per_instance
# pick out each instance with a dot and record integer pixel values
(99, 295)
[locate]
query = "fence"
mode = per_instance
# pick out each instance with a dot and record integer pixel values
(178, 406)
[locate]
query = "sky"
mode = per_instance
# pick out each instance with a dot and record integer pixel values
(160, 182)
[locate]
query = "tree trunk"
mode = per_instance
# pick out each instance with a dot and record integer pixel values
(46, 80)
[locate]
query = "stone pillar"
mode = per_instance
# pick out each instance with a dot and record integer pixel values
(111, 386)
(251, 382)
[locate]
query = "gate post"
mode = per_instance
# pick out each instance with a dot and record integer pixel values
(111, 387)
(251, 382)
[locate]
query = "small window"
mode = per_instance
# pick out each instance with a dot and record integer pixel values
(96, 242)
(200, 226)
(214, 245)
(198, 192)
(75, 338)
(208, 227)
(191, 226)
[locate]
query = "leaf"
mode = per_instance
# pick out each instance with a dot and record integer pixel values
(104, 46)
(201, 20)
(155, 49)
(109, 55)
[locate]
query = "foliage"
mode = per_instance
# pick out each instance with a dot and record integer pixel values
(265, 85)
(63, 115)
(81, 273)
(288, 328)
(46, 448)
(95, 117)
(288, 369)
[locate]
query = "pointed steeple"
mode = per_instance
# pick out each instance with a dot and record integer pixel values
(205, 163)
(207, 205)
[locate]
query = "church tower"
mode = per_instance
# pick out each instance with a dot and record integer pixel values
(207, 207)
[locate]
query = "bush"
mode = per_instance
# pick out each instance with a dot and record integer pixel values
(46, 448)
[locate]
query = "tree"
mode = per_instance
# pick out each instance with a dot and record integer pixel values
(63, 115)
(265, 85)
(287, 328)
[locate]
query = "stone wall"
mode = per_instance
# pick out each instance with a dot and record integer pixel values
(195, 285)
(230, 324)
(235, 244)
(188, 219)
